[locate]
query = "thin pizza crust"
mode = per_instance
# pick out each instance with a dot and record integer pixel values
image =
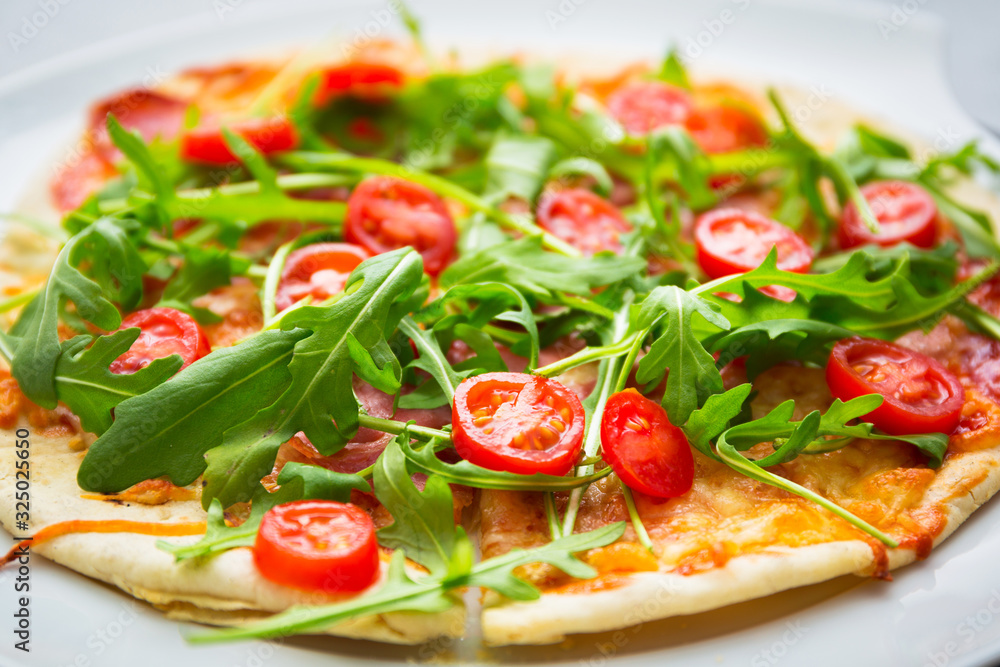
(648, 596)
(224, 590)
(228, 591)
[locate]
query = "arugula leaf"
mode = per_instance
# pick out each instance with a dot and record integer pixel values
(425, 460)
(931, 270)
(398, 592)
(482, 303)
(525, 265)
(37, 348)
(424, 525)
(85, 383)
(320, 400)
(151, 172)
(708, 422)
(770, 342)
(431, 358)
(378, 366)
(517, 166)
(167, 430)
(296, 481)
(693, 375)
(584, 166)
(673, 71)
(498, 573)
(691, 166)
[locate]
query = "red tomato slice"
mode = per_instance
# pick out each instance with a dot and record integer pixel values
(905, 212)
(164, 331)
(732, 240)
(317, 545)
(644, 449)
(583, 220)
(921, 395)
(319, 270)
(643, 106)
(385, 213)
(268, 135)
(365, 79)
(518, 423)
(725, 128)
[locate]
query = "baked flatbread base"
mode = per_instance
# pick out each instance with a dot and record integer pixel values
(227, 590)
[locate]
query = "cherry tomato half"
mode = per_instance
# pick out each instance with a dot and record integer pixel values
(517, 423)
(905, 213)
(319, 270)
(725, 128)
(732, 240)
(365, 79)
(317, 545)
(583, 220)
(385, 213)
(644, 449)
(643, 106)
(921, 395)
(164, 331)
(268, 135)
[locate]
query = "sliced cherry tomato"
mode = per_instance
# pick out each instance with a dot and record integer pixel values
(583, 220)
(725, 128)
(643, 106)
(921, 395)
(905, 213)
(164, 331)
(644, 449)
(317, 545)
(732, 240)
(268, 135)
(518, 423)
(319, 270)
(385, 213)
(365, 79)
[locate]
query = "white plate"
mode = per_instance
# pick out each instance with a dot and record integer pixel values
(943, 611)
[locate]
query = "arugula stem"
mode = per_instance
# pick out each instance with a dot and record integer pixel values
(586, 356)
(288, 182)
(633, 514)
(395, 427)
(741, 464)
(271, 279)
(505, 336)
(846, 183)
(592, 438)
(19, 299)
(441, 186)
(633, 354)
(552, 515)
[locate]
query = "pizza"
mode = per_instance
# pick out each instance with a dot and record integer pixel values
(325, 345)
